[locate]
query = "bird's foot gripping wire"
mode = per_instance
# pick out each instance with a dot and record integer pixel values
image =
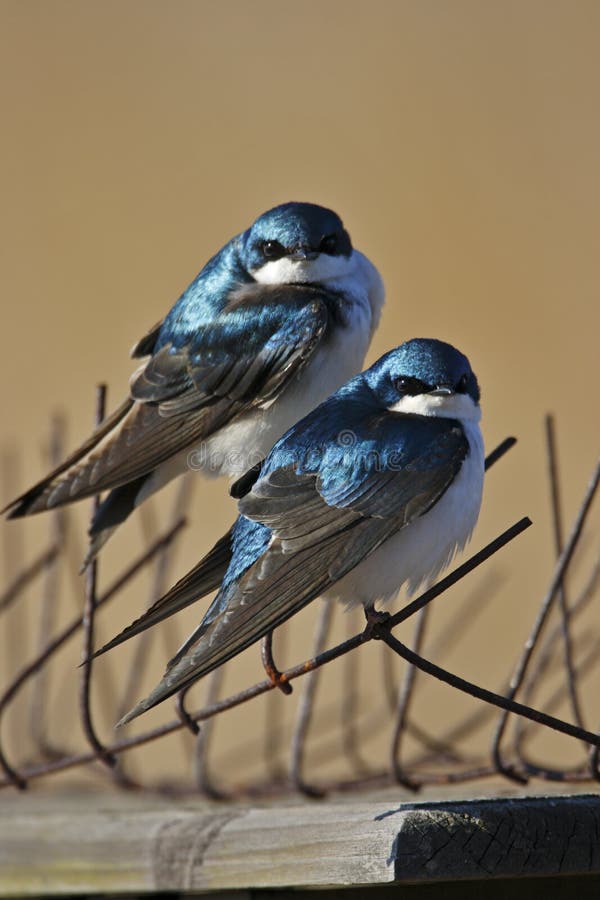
(273, 673)
(376, 620)
(184, 715)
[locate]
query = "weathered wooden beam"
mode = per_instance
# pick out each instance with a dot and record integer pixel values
(54, 844)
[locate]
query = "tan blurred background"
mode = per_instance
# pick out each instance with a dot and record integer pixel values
(459, 142)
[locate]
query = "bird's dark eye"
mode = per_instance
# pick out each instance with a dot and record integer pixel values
(462, 384)
(411, 386)
(329, 244)
(273, 250)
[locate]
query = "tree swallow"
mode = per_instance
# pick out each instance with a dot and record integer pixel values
(376, 488)
(276, 321)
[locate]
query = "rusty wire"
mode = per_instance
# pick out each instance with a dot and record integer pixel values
(89, 613)
(306, 706)
(520, 672)
(438, 757)
(39, 702)
(557, 525)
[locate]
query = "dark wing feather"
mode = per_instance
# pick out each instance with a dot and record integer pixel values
(146, 344)
(242, 485)
(27, 502)
(314, 544)
(204, 578)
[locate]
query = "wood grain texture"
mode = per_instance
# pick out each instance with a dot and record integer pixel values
(97, 844)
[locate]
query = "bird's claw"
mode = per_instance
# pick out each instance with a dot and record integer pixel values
(276, 678)
(376, 620)
(184, 716)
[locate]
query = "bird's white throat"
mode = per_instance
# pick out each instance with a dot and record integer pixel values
(300, 271)
(355, 276)
(455, 406)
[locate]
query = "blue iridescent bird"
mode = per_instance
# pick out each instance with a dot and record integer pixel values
(377, 488)
(275, 321)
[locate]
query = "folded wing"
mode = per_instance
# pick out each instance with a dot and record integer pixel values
(191, 386)
(320, 524)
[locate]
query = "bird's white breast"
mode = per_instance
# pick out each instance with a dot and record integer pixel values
(238, 446)
(421, 550)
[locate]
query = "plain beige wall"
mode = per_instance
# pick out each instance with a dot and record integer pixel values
(460, 143)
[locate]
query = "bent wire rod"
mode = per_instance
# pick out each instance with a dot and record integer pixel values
(323, 659)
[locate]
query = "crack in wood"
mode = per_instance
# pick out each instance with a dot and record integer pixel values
(475, 838)
(179, 848)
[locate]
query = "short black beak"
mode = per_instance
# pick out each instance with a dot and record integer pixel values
(299, 254)
(442, 390)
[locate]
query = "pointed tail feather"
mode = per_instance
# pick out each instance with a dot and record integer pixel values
(95, 545)
(204, 578)
(170, 685)
(111, 513)
(38, 498)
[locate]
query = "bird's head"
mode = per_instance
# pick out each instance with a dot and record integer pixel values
(296, 243)
(426, 377)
